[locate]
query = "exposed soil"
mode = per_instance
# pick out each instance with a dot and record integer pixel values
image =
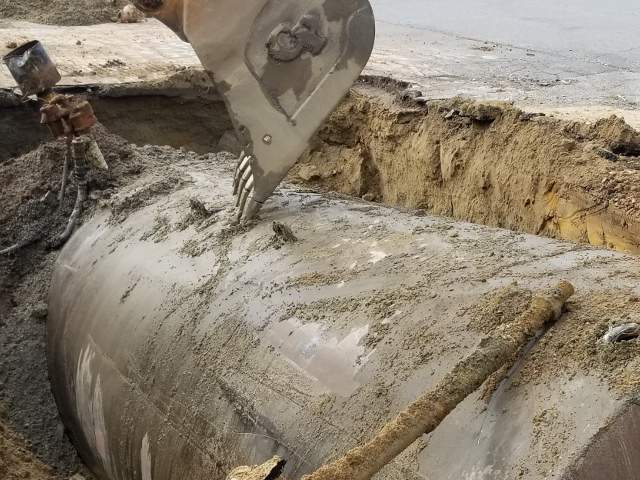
(182, 111)
(25, 398)
(16, 461)
(62, 12)
(31, 215)
(487, 163)
(575, 338)
(498, 307)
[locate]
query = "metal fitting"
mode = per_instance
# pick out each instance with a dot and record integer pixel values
(32, 69)
(82, 117)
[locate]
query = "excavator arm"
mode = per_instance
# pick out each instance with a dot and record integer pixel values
(282, 67)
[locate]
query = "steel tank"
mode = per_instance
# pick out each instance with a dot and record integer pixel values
(181, 347)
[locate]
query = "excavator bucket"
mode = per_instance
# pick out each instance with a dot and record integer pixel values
(282, 66)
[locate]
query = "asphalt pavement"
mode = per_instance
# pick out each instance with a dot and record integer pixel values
(551, 53)
(572, 58)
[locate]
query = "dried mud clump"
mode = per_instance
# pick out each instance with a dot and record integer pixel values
(498, 307)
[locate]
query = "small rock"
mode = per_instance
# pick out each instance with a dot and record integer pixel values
(483, 112)
(78, 43)
(77, 476)
(411, 94)
(607, 154)
(309, 173)
(527, 116)
(452, 113)
(130, 14)
(40, 311)
(12, 45)
(369, 197)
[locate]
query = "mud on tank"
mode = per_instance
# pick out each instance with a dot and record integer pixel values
(179, 352)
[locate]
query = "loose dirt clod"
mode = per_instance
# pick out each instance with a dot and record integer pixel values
(269, 470)
(130, 14)
(283, 233)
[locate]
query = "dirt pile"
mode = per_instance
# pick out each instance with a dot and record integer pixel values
(575, 339)
(486, 163)
(28, 215)
(16, 461)
(61, 12)
(31, 215)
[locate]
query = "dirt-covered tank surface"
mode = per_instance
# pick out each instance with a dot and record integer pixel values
(304, 348)
(607, 288)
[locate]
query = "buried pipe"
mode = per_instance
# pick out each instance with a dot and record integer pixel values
(426, 413)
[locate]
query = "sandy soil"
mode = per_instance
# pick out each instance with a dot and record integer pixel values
(25, 395)
(488, 163)
(17, 461)
(61, 12)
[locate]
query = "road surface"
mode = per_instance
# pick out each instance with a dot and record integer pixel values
(573, 58)
(567, 54)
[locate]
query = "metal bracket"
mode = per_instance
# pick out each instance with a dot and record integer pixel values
(287, 44)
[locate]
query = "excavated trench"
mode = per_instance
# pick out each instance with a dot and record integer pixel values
(488, 164)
